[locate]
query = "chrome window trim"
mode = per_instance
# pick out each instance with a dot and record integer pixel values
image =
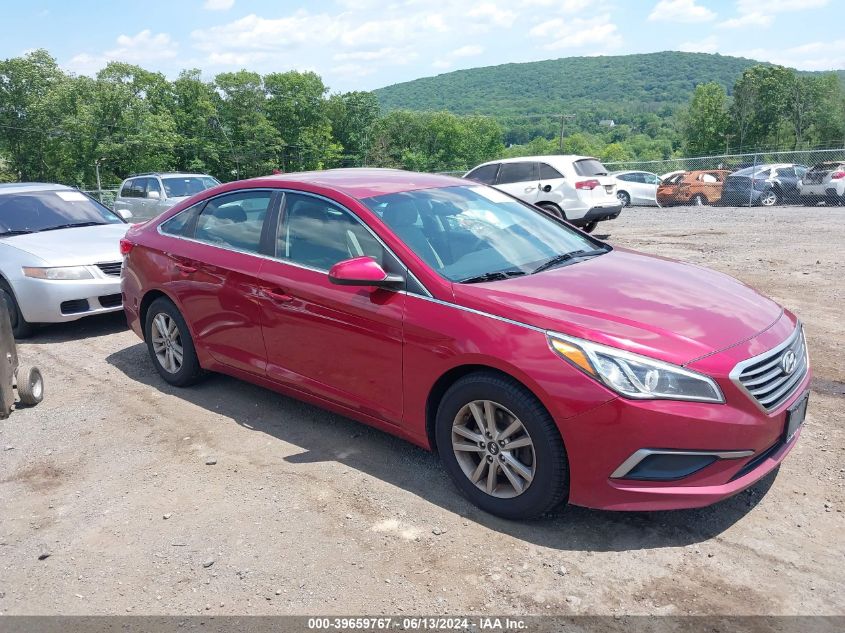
(288, 262)
(740, 367)
(637, 456)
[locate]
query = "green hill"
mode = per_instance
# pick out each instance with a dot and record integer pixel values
(606, 86)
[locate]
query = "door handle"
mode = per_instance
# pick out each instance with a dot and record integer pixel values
(529, 189)
(277, 294)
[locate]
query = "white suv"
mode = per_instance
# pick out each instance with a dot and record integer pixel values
(574, 188)
(824, 182)
(147, 195)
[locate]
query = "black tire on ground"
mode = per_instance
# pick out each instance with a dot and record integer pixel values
(30, 385)
(189, 371)
(589, 227)
(549, 486)
(698, 200)
(552, 209)
(624, 198)
(770, 198)
(21, 328)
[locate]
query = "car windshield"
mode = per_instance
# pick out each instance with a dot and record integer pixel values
(178, 187)
(476, 233)
(33, 211)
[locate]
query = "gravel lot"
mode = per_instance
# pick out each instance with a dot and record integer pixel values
(305, 512)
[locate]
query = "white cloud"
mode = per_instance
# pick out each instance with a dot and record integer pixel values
(560, 33)
(680, 11)
(144, 49)
(779, 6)
(748, 20)
(489, 14)
(470, 50)
(707, 45)
(218, 5)
(826, 55)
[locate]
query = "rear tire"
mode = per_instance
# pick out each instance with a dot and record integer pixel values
(528, 480)
(624, 198)
(769, 198)
(698, 200)
(30, 385)
(21, 328)
(552, 209)
(589, 227)
(170, 344)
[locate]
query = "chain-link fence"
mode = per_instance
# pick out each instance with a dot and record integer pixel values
(730, 162)
(106, 196)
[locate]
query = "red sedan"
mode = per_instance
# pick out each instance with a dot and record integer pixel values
(542, 364)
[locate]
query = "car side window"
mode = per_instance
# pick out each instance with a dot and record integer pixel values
(486, 174)
(316, 233)
(182, 224)
(126, 189)
(547, 172)
(137, 189)
(517, 172)
(152, 185)
(786, 172)
(235, 220)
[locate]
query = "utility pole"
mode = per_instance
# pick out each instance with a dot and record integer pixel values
(728, 137)
(97, 169)
(563, 117)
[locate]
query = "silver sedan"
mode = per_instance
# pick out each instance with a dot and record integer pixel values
(59, 255)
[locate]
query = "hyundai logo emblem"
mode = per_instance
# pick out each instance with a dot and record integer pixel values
(788, 362)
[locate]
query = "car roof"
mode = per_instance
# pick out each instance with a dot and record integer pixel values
(21, 187)
(551, 159)
(361, 182)
(165, 174)
(630, 171)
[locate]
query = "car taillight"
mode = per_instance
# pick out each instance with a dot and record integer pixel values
(125, 246)
(837, 175)
(589, 185)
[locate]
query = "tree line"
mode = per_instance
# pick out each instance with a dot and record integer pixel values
(770, 107)
(60, 127)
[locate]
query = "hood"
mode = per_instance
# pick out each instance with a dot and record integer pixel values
(80, 246)
(661, 308)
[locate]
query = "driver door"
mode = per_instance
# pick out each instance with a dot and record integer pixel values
(340, 343)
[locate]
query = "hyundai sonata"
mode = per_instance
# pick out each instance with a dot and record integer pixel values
(543, 365)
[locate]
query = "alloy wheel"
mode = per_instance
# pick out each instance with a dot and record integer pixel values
(493, 449)
(167, 343)
(769, 199)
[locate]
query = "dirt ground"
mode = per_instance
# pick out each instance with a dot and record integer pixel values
(305, 512)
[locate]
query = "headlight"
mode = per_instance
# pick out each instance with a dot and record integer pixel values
(635, 376)
(60, 273)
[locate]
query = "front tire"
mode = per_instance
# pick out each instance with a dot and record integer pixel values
(769, 198)
(21, 328)
(170, 344)
(501, 447)
(698, 200)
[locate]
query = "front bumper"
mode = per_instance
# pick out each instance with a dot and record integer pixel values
(598, 214)
(602, 442)
(45, 301)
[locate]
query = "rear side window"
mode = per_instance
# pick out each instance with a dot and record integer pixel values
(589, 167)
(547, 172)
(182, 224)
(786, 172)
(235, 220)
(486, 174)
(126, 190)
(517, 172)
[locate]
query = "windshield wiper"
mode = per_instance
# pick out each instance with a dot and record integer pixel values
(21, 232)
(565, 257)
(72, 225)
(493, 276)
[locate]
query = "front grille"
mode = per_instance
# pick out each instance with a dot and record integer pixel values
(111, 268)
(110, 301)
(763, 377)
(75, 306)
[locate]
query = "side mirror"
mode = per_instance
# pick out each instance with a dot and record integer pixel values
(547, 188)
(153, 195)
(124, 213)
(363, 271)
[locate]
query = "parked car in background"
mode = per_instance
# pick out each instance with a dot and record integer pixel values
(668, 175)
(824, 182)
(543, 365)
(766, 185)
(636, 187)
(692, 187)
(59, 255)
(577, 189)
(148, 195)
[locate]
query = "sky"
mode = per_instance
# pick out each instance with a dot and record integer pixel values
(366, 44)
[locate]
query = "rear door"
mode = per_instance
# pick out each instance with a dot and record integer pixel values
(215, 275)
(123, 200)
(340, 343)
(486, 174)
(520, 179)
(552, 186)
